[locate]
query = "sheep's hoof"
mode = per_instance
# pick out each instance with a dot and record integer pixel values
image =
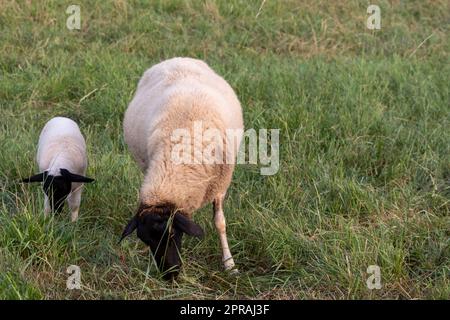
(234, 271)
(230, 266)
(74, 216)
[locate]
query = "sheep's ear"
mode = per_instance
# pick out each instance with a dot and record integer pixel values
(188, 226)
(132, 224)
(40, 177)
(72, 177)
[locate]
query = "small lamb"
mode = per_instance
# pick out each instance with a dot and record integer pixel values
(62, 162)
(177, 94)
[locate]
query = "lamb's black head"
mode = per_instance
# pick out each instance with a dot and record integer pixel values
(161, 228)
(57, 188)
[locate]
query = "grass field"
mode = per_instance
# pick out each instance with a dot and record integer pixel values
(364, 118)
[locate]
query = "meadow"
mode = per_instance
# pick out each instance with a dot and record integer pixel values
(364, 118)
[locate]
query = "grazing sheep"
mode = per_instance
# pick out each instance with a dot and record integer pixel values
(62, 162)
(172, 95)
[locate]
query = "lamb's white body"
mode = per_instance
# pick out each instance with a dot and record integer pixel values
(171, 95)
(61, 145)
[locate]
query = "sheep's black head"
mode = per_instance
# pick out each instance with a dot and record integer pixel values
(161, 228)
(57, 188)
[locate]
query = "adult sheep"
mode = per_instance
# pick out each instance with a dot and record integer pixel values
(181, 94)
(62, 162)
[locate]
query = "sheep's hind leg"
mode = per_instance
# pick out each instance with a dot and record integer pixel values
(219, 221)
(73, 200)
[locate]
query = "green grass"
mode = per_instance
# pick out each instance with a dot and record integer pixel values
(364, 162)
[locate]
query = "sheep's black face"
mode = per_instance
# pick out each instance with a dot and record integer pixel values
(57, 188)
(163, 235)
(164, 241)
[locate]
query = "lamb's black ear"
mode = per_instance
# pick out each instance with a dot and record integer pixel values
(188, 226)
(132, 224)
(72, 177)
(40, 177)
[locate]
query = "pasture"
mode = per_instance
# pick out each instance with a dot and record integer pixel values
(364, 176)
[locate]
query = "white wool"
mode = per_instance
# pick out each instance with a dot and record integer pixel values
(61, 145)
(166, 90)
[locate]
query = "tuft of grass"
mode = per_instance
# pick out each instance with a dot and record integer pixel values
(364, 157)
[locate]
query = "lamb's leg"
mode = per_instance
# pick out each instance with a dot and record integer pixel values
(47, 207)
(219, 221)
(74, 200)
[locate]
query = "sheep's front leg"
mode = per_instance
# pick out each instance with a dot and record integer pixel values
(74, 200)
(219, 221)
(47, 206)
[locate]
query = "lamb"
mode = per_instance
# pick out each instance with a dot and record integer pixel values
(177, 94)
(62, 162)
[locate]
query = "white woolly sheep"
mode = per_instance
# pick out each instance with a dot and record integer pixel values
(62, 162)
(177, 94)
